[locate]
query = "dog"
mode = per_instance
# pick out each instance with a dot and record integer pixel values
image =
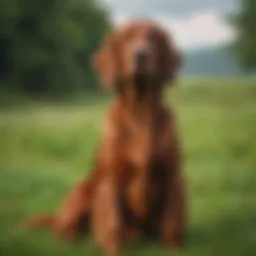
(137, 186)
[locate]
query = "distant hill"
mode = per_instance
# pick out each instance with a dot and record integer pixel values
(214, 61)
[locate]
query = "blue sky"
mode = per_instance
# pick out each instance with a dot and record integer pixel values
(193, 23)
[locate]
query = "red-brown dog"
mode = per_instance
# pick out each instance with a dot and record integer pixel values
(136, 187)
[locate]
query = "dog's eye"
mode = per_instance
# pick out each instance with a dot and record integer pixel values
(153, 38)
(152, 35)
(128, 36)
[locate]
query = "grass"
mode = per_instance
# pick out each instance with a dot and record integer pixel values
(44, 150)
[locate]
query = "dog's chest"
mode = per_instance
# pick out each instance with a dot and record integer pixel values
(142, 145)
(142, 178)
(137, 145)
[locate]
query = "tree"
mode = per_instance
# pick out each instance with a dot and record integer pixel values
(45, 45)
(245, 45)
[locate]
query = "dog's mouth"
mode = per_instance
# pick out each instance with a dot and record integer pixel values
(142, 74)
(141, 80)
(142, 68)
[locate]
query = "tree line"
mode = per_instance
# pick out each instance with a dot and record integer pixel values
(45, 45)
(245, 45)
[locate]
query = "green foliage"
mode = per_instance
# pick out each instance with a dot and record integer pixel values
(246, 42)
(45, 150)
(46, 44)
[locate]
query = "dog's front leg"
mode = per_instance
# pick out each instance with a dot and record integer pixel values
(107, 224)
(173, 224)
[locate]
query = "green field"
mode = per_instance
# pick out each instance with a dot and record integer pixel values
(45, 149)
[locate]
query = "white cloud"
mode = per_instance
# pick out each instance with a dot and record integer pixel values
(201, 29)
(206, 28)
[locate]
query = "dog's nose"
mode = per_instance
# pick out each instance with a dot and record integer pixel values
(141, 58)
(141, 55)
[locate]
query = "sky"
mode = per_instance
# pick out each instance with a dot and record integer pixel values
(193, 23)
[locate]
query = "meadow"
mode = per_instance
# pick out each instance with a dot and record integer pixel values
(46, 148)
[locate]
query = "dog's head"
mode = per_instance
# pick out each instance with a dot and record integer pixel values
(139, 49)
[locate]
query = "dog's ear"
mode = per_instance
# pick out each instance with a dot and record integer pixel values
(105, 63)
(170, 59)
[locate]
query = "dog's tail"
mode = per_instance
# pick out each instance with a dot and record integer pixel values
(39, 222)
